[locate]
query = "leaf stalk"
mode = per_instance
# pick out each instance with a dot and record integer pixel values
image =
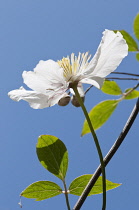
(66, 195)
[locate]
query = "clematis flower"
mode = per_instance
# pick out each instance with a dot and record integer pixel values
(51, 80)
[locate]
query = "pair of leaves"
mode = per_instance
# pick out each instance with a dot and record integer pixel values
(42, 190)
(112, 88)
(132, 44)
(102, 111)
(53, 156)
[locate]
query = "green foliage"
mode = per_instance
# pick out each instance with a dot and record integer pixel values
(132, 95)
(111, 87)
(53, 155)
(136, 26)
(137, 56)
(132, 45)
(100, 114)
(77, 186)
(41, 190)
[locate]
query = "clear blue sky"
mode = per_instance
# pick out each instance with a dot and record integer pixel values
(36, 30)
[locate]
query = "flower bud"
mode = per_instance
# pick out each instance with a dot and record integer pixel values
(64, 101)
(75, 102)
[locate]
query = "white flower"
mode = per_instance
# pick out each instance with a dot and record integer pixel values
(50, 80)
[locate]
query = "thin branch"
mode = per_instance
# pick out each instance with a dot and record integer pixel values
(136, 86)
(121, 78)
(88, 89)
(125, 73)
(109, 156)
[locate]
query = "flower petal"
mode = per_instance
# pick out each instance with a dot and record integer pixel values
(35, 81)
(35, 100)
(49, 69)
(96, 81)
(111, 51)
(46, 76)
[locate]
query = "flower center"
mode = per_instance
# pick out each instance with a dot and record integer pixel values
(74, 65)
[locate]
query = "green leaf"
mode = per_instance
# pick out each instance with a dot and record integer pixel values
(53, 155)
(136, 26)
(132, 95)
(41, 190)
(137, 56)
(77, 186)
(100, 114)
(132, 45)
(111, 87)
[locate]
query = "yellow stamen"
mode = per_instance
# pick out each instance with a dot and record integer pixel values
(73, 64)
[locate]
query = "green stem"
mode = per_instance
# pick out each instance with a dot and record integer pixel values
(96, 143)
(66, 195)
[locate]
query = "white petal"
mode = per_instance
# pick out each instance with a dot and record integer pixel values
(42, 66)
(35, 81)
(96, 81)
(35, 100)
(56, 95)
(49, 69)
(46, 76)
(42, 84)
(111, 51)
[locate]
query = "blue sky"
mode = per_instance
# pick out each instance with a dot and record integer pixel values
(36, 30)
